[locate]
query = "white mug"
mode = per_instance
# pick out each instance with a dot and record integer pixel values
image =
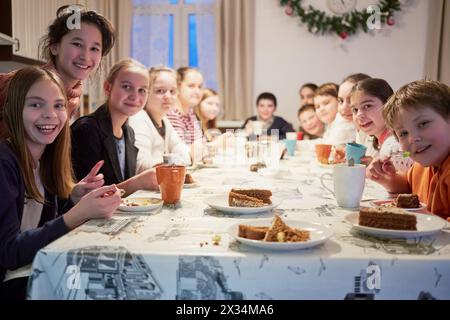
(348, 184)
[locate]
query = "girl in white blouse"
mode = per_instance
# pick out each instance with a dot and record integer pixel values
(154, 134)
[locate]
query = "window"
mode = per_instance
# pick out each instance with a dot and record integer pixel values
(176, 33)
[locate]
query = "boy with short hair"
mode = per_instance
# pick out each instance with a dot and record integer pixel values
(419, 115)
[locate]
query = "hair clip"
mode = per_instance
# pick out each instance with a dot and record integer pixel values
(69, 9)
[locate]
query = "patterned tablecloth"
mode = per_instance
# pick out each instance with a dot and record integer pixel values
(170, 253)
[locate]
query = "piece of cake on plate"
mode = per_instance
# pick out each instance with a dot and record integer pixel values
(241, 200)
(252, 232)
(260, 194)
(408, 201)
(387, 218)
(281, 232)
(188, 179)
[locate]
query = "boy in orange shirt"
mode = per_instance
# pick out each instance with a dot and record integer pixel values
(419, 115)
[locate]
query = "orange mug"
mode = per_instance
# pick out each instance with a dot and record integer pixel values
(323, 152)
(170, 180)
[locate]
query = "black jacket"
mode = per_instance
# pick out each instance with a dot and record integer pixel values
(93, 140)
(278, 123)
(17, 248)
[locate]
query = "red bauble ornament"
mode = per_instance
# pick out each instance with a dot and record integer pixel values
(289, 10)
(343, 35)
(390, 21)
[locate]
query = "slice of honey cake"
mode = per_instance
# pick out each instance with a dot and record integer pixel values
(261, 194)
(387, 218)
(252, 232)
(281, 232)
(408, 201)
(240, 200)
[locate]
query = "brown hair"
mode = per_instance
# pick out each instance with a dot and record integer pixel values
(356, 77)
(328, 89)
(267, 96)
(183, 71)
(58, 29)
(305, 108)
(417, 95)
(309, 85)
(56, 168)
(378, 88)
(206, 124)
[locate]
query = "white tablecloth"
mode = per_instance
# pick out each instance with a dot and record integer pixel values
(169, 254)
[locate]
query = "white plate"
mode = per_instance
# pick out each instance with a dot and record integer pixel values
(207, 165)
(318, 234)
(144, 204)
(426, 225)
(220, 202)
(386, 204)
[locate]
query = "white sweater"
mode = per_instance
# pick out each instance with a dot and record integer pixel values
(152, 146)
(340, 132)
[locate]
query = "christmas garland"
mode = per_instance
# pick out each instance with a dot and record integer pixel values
(318, 21)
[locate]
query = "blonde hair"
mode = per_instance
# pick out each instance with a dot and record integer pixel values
(417, 95)
(125, 63)
(206, 124)
(56, 167)
(328, 89)
(155, 71)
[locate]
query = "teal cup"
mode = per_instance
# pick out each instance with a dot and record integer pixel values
(290, 146)
(355, 151)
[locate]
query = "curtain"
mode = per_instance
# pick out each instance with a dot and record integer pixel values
(119, 12)
(151, 32)
(437, 63)
(235, 46)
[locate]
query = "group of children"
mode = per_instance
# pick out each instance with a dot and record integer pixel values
(414, 121)
(54, 177)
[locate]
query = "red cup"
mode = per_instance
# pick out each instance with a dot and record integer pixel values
(299, 135)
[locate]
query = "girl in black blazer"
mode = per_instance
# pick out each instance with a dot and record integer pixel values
(105, 134)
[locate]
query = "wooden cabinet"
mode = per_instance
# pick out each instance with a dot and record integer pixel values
(25, 21)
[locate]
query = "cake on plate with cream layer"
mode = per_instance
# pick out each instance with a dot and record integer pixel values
(278, 231)
(249, 197)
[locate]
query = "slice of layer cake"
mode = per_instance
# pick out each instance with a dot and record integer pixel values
(281, 232)
(252, 232)
(241, 200)
(408, 201)
(261, 194)
(387, 218)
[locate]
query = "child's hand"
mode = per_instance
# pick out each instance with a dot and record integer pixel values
(91, 182)
(339, 154)
(381, 170)
(100, 203)
(366, 160)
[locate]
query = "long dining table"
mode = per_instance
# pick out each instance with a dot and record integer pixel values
(187, 252)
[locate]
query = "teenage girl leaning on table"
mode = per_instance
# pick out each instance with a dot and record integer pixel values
(40, 201)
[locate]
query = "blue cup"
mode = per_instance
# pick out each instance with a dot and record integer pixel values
(290, 146)
(355, 151)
